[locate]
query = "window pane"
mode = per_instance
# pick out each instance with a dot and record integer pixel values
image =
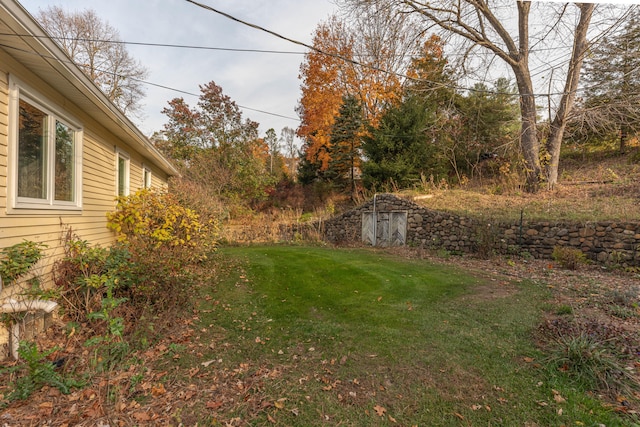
(146, 178)
(32, 153)
(122, 176)
(65, 164)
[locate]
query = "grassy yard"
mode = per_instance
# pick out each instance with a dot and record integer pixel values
(310, 336)
(314, 336)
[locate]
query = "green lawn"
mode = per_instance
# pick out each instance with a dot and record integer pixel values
(305, 336)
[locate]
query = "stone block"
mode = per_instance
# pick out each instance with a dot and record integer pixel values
(587, 232)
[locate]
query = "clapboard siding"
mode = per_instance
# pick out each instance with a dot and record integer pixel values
(99, 148)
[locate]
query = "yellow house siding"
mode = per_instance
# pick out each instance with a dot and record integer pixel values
(98, 176)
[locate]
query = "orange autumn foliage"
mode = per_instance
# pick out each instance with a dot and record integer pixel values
(343, 63)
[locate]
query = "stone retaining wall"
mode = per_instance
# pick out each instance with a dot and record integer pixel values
(605, 242)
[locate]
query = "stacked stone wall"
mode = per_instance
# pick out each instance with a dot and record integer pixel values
(605, 242)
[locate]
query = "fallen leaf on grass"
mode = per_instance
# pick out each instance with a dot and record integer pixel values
(379, 410)
(214, 404)
(158, 390)
(557, 397)
(142, 416)
(391, 419)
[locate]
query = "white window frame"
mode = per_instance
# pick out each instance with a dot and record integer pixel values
(21, 91)
(147, 176)
(120, 154)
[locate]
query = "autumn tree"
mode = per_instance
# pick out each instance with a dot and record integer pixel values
(487, 25)
(216, 146)
(182, 136)
(324, 81)
(360, 57)
(429, 73)
(96, 47)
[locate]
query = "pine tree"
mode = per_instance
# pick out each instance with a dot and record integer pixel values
(401, 149)
(611, 103)
(490, 117)
(346, 134)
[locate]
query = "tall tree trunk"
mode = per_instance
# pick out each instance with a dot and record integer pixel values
(624, 134)
(529, 142)
(559, 123)
(519, 61)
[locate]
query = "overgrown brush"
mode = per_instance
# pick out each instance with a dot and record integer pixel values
(164, 240)
(34, 371)
(17, 260)
(568, 257)
(151, 267)
(597, 356)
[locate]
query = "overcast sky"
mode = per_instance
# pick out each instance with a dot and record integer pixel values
(262, 81)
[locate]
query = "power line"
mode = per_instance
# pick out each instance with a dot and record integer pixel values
(320, 51)
(176, 46)
(184, 92)
(350, 60)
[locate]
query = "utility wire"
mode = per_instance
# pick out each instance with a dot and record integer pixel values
(350, 60)
(177, 46)
(313, 48)
(223, 49)
(184, 92)
(288, 39)
(543, 67)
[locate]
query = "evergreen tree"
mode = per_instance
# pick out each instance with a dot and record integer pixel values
(402, 148)
(611, 104)
(346, 134)
(490, 117)
(310, 165)
(414, 138)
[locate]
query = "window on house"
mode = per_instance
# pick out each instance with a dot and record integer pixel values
(122, 171)
(146, 177)
(46, 156)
